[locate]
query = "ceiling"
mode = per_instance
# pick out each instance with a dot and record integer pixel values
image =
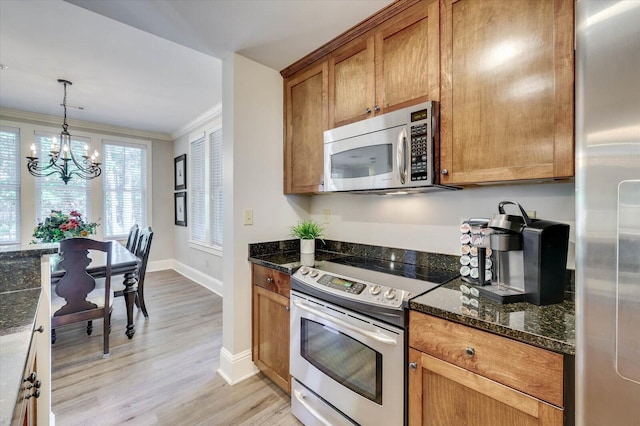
(152, 65)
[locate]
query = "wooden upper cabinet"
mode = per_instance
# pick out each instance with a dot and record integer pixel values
(393, 66)
(305, 122)
(507, 106)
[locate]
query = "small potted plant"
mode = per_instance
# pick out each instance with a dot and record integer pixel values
(307, 231)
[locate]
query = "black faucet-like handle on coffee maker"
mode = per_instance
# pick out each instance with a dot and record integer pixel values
(525, 216)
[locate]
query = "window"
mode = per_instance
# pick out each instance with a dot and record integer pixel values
(9, 185)
(124, 187)
(215, 187)
(51, 191)
(206, 187)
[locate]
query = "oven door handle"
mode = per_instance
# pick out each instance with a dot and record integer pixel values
(379, 337)
(301, 398)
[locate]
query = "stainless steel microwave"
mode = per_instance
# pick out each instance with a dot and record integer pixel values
(393, 151)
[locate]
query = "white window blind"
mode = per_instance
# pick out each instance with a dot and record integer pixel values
(124, 187)
(197, 191)
(51, 191)
(215, 187)
(9, 185)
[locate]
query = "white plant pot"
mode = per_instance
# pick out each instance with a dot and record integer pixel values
(307, 251)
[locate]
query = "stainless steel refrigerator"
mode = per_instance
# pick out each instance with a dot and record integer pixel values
(608, 212)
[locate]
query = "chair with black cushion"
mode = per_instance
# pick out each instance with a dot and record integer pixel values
(77, 296)
(132, 240)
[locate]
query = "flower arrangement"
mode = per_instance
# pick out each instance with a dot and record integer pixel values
(59, 226)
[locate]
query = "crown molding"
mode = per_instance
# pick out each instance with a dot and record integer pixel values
(14, 114)
(198, 122)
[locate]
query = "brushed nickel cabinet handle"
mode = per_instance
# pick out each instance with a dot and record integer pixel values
(286, 308)
(444, 172)
(413, 365)
(470, 351)
(368, 110)
(376, 108)
(269, 280)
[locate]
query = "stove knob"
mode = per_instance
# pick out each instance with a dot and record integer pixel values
(375, 290)
(390, 294)
(304, 270)
(314, 273)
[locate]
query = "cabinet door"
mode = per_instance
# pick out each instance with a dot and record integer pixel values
(443, 394)
(407, 58)
(271, 336)
(351, 83)
(507, 90)
(306, 120)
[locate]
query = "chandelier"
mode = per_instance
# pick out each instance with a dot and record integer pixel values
(62, 160)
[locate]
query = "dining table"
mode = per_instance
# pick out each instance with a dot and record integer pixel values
(123, 262)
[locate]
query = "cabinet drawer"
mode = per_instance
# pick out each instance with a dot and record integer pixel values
(272, 280)
(532, 370)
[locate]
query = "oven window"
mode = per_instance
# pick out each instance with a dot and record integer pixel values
(343, 358)
(366, 161)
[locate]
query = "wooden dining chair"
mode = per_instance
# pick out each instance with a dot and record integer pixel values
(77, 297)
(142, 252)
(132, 240)
(143, 247)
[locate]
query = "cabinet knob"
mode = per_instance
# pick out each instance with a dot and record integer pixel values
(470, 351)
(31, 378)
(286, 308)
(376, 108)
(269, 280)
(368, 110)
(413, 365)
(35, 394)
(444, 172)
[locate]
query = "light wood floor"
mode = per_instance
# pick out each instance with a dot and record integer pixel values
(165, 375)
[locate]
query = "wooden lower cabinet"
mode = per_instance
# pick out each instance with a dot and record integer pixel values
(270, 317)
(456, 377)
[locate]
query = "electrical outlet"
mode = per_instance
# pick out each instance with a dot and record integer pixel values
(326, 214)
(248, 216)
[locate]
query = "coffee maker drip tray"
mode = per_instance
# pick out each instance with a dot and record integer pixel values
(502, 294)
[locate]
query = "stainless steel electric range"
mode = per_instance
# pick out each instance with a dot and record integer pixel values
(348, 339)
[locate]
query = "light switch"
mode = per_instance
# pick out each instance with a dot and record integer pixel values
(326, 215)
(248, 216)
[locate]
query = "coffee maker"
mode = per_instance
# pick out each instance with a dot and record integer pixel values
(530, 258)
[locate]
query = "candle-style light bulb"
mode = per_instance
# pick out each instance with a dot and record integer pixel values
(54, 146)
(33, 149)
(86, 150)
(96, 154)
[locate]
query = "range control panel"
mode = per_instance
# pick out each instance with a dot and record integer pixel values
(349, 288)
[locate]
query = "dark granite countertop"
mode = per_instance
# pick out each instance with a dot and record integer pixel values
(20, 289)
(550, 327)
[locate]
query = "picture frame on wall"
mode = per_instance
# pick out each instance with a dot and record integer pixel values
(180, 202)
(180, 172)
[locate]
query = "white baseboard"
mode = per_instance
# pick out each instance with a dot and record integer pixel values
(193, 274)
(236, 368)
(160, 265)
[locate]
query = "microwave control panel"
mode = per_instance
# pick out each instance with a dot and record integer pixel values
(420, 146)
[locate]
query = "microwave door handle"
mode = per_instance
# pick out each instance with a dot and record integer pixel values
(371, 334)
(401, 157)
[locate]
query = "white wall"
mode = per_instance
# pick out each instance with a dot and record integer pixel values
(430, 221)
(253, 179)
(198, 263)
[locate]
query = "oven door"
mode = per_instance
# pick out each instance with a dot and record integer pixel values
(375, 160)
(350, 361)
